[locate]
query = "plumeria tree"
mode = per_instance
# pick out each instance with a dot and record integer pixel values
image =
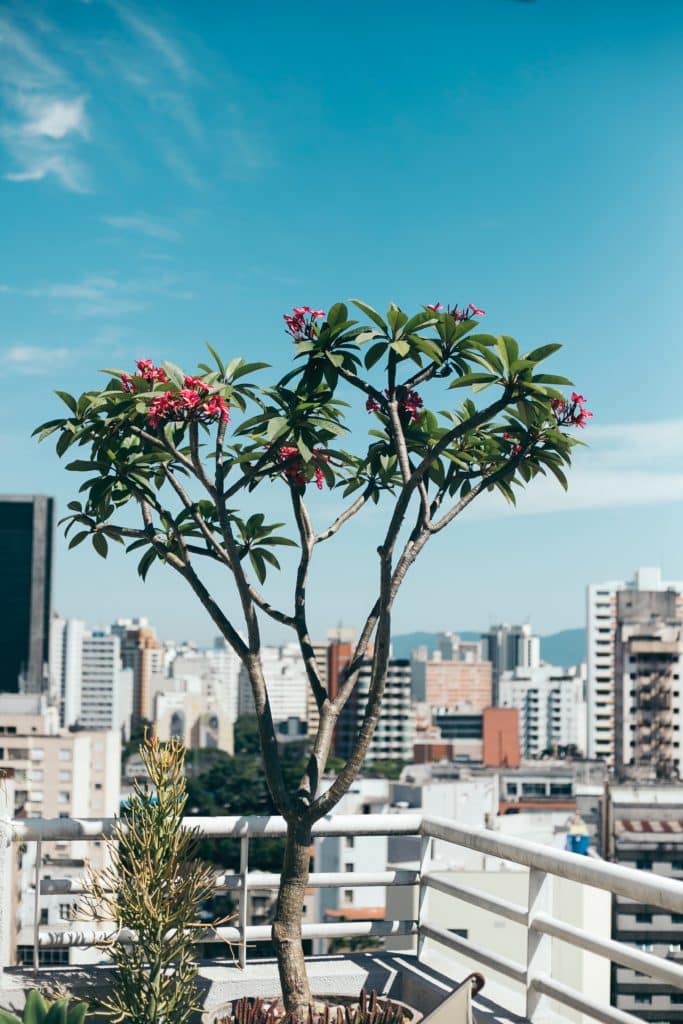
(187, 454)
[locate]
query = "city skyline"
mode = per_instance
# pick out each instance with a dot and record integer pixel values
(185, 190)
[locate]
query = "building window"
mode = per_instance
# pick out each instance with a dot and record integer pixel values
(348, 867)
(64, 797)
(350, 842)
(37, 754)
(348, 896)
(643, 997)
(644, 865)
(65, 911)
(65, 775)
(644, 918)
(64, 755)
(43, 915)
(37, 775)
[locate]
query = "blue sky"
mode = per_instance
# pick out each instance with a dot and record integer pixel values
(173, 173)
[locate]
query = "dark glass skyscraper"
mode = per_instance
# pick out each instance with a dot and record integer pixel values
(26, 533)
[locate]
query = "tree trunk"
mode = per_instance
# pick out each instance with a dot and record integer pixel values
(296, 992)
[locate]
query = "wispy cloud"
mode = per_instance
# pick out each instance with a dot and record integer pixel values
(103, 295)
(43, 114)
(143, 224)
(155, 38)
(625, 464)
(33, 359)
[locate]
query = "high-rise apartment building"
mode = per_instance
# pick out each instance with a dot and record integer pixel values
(141, 652)
(286, 683)
(648, 671)
(395, 733)
(88, 682)
(449, 684)
(550, 705)
(602, 627)
(508, 648)
(26, 534)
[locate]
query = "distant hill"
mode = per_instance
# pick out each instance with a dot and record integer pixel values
(568, 647)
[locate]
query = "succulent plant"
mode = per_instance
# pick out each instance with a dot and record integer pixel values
(38, 1010)
(368, 1010)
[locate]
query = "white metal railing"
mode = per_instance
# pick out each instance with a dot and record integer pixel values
(544, 863)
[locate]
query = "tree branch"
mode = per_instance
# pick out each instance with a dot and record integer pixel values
(343, 517)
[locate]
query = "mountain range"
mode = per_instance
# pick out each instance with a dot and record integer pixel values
(568, 647)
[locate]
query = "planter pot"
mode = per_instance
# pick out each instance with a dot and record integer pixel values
(223, 1012)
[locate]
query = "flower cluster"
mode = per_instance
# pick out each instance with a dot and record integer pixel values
(294, 470)
(146, 371)
(572, 413)
(458, 314)
(193, 402)
(409, 402)
(300, 322)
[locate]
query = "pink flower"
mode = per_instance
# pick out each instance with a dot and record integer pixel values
(300, 322)
(127, 382)
(475, 311)
(294, 471)
(149, 372)
(516, 449)
(164, 407)
(411, 403)
(372, 405)
(195, 382)
(571, 413)
(216, 408)
(190, 398)
(506, 436)
(436, 307)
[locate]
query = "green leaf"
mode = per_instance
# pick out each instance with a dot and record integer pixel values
(402, 348)
(146, 562)
(99, 542)
(374, 354)
(174, 373)
(219, 361)
(77, 1013)
(472, 378)
(8, 1018)
(258, 565)
(337, 314)
(35, 1008)
(68, 400)
(539, 354)
(57, 1013)
(276, 427)
(371, 313)
(551, 378)
(78, 538)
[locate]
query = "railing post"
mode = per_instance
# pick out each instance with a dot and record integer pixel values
(244, 899)
(36, 906)
(425, 848)
(7, 853)
(539, 946)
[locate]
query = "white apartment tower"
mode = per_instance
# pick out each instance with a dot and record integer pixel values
(550, 704)
(602, 624)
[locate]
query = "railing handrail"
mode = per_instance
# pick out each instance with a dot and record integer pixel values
(656, 890)
(230, 826)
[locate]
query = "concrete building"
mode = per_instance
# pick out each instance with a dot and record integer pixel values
(395, 732)
(26, 542)
(286, 682)
(641, 826)
(601, 636)
(143, 654)
(444, 683)
(648, 671)
(550, 705)
(87, 681)
(508, 648)
(56, 774)
(500, 728)
(193, 718)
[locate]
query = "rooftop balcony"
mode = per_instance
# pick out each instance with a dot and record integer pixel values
(546, 952)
